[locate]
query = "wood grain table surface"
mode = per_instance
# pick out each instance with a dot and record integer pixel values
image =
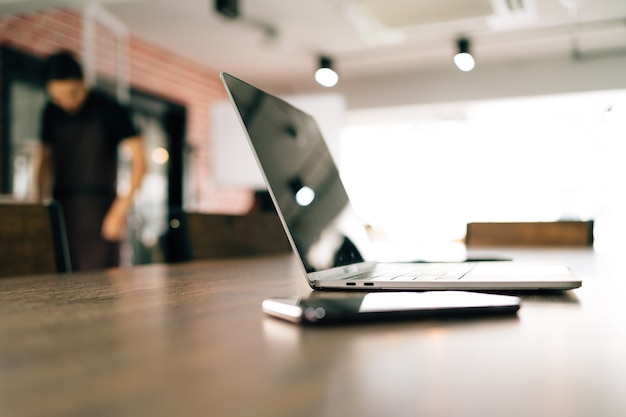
(190, 340)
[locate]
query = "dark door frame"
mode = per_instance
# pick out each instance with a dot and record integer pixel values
(16, 66)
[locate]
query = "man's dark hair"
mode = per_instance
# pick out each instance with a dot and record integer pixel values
(61, 66)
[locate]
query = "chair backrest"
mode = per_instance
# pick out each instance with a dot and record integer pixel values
(32, 239)
(229, 236)
(560, 233)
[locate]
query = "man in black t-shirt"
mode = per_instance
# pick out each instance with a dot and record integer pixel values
(81, 131)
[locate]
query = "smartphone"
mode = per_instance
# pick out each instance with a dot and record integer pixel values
(389, 306)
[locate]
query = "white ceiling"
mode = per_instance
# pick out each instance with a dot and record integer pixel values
(277, 42)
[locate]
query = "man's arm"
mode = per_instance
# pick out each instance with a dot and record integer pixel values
(44, 173)
(114, 222)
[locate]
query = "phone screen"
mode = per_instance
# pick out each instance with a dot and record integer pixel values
(389, 305)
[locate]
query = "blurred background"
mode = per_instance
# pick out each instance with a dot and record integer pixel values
(535, 131)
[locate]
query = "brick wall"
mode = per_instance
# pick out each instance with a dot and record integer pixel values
(153, 70)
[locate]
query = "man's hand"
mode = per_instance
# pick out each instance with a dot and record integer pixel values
(114, 223)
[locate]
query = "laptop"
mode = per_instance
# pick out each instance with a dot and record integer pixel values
(324, 230)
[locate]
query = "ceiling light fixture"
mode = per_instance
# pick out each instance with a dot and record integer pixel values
(463, 59)
(227, 8)
(325, 74)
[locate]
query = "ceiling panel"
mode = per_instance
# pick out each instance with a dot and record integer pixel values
(408, 13)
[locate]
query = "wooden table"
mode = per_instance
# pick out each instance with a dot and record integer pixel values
(190, 340)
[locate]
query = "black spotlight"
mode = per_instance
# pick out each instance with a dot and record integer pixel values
(325, 74)
(228, 8)
(464, 59)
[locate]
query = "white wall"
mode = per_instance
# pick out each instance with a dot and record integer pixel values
(233, 161)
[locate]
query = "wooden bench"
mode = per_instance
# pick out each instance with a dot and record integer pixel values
(230, 236)
(559, 233)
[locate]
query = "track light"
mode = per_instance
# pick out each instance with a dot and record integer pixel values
(227, 8)
(463, 59)
(325, 74)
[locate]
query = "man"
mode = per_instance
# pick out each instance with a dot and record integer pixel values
(81, 133)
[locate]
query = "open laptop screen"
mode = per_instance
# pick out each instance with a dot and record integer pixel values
(302, 178)
(321, 224)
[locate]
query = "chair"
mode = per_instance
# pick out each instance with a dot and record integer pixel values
(228, 236)
(32, 238)
(550, 234)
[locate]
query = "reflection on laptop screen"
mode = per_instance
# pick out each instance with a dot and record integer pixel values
(302, 179)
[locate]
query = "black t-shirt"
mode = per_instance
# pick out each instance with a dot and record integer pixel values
(84, 144)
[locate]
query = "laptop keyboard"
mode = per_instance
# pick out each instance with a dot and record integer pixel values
(415, 272)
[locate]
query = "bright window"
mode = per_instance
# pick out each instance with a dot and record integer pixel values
(423, 173)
